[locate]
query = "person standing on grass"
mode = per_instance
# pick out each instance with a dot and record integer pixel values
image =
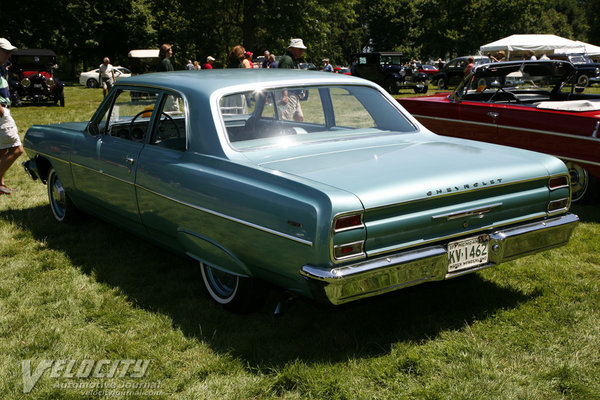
(10, 143)
(106, 74)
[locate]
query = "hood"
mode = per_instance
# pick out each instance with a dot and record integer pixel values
(397, 172)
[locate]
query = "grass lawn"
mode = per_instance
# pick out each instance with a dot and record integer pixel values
(90, 292)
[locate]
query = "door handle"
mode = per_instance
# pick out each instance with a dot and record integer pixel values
(492, 114)
(129, 160)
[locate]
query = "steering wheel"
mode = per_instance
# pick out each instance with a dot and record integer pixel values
(509, 95)
(137, 135)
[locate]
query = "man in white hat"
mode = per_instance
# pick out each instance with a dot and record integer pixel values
(209, 62)
(10, 143)
(294, 51)
(289, 106)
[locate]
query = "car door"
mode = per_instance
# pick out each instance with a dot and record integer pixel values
(104, 168)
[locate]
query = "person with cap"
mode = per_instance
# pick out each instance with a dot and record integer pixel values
(106, 76)
(247, 61)
(209, 61)
(294, 52)
(10, 143)
(327, 67)
(289, 105)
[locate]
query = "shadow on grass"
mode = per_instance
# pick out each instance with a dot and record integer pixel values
(159, 281)
(587, 212)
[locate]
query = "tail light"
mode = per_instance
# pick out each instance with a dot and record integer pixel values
(560, 204)
(348, 250)
(348, 236)
(558, 182)
(347, 222)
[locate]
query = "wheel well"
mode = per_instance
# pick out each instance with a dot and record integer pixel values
(43, 166)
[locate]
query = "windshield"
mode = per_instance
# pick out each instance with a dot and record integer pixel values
(542, 78)
(295, 115)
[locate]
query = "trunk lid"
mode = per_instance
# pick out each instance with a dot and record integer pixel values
(417, 192)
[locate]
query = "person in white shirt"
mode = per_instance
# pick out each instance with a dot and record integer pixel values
(106, 75)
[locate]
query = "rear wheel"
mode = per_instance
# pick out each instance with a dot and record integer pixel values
(92, 83)
(230, 291)
(60, 203)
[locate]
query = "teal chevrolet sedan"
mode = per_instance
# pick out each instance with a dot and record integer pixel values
(321, 184)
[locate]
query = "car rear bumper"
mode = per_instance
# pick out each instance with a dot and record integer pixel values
(369, 278)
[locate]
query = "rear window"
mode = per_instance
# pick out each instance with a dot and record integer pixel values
(296, 115)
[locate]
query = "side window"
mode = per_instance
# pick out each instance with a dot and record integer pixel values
(129, 115)
(348, 111)
(170, 129)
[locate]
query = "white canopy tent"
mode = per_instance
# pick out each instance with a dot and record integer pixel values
(584, 48)
(535, 42)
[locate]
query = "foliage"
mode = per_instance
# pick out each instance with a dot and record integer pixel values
(83, 31)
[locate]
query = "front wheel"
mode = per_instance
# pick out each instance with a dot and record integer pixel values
(391, 86)
(228, 290)
(60, 203)
(583, 80)
(579, 181)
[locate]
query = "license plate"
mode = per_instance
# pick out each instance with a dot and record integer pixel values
(37, 85)
(467, 253)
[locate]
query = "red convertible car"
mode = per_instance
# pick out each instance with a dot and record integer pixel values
(533, 105)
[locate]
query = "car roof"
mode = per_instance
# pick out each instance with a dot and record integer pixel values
(209, 81)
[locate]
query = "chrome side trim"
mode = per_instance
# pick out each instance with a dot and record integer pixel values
(570, 135)
(46, 155)
(380, 275)
(229, 218)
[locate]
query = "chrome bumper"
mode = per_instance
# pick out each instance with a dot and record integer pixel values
(369, 278)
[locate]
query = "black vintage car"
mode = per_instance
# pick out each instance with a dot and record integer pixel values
(588, 72)
(388, 70)
(32, 77)
(453, 72)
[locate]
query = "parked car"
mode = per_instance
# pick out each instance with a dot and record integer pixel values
(90, 78)
(337, 195)
(33, 78)
(342, 70)
(533, 105)
(430, 70)
(588, 72)
(453, 71)
(388, 70)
